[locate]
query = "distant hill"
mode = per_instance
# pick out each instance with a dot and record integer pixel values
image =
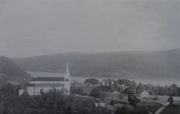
(130, 64)
(11, 72)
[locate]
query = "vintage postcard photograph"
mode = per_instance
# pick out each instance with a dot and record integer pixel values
(89, 56)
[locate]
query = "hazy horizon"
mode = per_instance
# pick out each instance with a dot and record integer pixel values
(38, 55)
(41, 27)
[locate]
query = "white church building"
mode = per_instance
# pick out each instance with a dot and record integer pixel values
(45, 81)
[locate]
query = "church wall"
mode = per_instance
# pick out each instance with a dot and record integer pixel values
(36, 90)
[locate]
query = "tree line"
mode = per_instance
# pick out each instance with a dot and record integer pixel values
(125, 86)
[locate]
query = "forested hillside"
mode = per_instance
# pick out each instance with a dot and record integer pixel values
(10, 71)
(130, 64)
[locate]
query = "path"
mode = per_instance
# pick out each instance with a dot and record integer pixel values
(170, 110)
(162, 108)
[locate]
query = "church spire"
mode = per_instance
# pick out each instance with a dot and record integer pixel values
(67, 69)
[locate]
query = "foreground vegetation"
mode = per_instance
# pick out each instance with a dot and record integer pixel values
(55, 102)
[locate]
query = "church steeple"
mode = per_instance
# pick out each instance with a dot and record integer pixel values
(67, 69)
(67, 78)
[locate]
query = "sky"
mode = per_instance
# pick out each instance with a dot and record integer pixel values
(40, 27)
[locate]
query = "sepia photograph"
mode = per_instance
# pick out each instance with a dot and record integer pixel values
(89, 56)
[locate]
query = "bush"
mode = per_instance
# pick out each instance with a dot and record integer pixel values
(77, 90)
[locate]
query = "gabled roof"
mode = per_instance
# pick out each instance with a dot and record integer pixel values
(48, 79)
(145, 91)
(46, 74)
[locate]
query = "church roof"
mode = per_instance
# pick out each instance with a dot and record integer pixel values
(46, 74)
(48, 79)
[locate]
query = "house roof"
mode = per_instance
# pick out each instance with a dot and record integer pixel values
(144, 92)
(30, 84)
(48, 79)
